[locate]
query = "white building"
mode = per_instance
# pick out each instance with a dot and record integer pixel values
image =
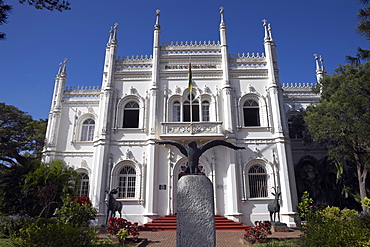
(107, 133)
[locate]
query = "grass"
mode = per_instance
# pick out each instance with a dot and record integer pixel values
(281, 243)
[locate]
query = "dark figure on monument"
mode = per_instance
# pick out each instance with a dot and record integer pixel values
(193, 152)
(113, 205)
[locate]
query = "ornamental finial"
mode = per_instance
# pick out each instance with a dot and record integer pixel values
(265, 27)
(157, 15)
(222, 16)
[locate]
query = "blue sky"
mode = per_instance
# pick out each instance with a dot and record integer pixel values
(38, 40)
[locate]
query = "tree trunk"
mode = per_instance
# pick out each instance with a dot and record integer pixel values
(361, 176)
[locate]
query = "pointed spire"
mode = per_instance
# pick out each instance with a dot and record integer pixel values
(114, 34)
(322, 65)
(320, 70)
(317, 62)
(222, 24)
(265, 27)
(60, 68)
(157, 15)
(270, 32)
(64, 69)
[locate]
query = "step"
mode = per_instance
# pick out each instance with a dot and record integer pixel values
(169, 223)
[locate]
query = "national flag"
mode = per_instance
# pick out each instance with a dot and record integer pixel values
(190, 79)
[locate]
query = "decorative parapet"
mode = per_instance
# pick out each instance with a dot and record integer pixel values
(191, 48)
(298, 88)
(82, 92)
(247, 61)
(134, 63)
(182, 129)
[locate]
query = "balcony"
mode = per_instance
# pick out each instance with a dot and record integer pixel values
(195, 129)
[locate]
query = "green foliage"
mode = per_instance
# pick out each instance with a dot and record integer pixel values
(334, 227)
(122, 235)
(305, 207)
(53, 233)
(280, 243)
(47, 186)
(21, 137)
(365, 202)
(10, 225)
(342, 118)
(77, 211)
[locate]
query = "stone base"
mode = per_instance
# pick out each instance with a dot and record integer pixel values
(195, 212)
(279, 227)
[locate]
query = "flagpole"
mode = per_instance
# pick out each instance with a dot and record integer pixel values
(191, 93)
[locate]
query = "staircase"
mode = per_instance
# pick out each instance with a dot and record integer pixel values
(168, 223)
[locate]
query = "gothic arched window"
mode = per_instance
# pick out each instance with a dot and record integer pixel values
(131, 115)
(205, 111)
(257, 182)
(251, 113)
(176, 112)
(126, 182)
(87, 130)
(83, 185)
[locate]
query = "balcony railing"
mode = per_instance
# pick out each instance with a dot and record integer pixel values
(186, 129)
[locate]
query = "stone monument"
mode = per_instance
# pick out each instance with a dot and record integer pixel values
(195, 201)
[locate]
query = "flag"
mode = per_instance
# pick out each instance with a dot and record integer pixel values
(190, 79)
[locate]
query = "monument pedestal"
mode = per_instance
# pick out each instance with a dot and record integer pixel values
(195, 212)
(279, 227)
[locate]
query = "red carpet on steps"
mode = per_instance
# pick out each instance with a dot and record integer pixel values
(168, 223)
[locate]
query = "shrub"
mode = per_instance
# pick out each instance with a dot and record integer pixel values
(305, 207)
(77, 211)
(52, 233)
(116, 224)
(334, 227)
(258, 234)
(11, 224)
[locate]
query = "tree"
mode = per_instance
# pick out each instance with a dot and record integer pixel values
(21, 137)
(342, 117)
(363, 28)
(45, 188)
(38, 4)
(21, 143)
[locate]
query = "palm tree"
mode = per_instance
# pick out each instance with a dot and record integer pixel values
(45, 187)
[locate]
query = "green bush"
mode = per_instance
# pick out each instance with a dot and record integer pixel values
(305, 207)
(334, 227)
(11, 224)
(77, 211)
(52, 233)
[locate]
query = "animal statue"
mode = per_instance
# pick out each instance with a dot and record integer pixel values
(113, 205)
(274, 206)
(193, 152)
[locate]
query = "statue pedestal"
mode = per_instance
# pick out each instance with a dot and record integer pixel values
(195, 212)
(279, 227)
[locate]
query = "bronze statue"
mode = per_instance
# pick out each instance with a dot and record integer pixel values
(113, 205)
(274, 206)
(193, 152)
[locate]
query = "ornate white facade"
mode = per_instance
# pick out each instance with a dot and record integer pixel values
(107, 133)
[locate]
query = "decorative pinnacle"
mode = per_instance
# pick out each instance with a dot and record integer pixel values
(265, 27)
(64, 69)
(222, 16)
(157, 15)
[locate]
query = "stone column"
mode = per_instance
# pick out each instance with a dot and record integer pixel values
(195, 212)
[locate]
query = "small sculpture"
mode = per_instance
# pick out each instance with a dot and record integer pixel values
(113, 205)
(274, 206)
(193, 152)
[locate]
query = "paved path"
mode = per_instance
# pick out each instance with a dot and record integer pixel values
(223, 238)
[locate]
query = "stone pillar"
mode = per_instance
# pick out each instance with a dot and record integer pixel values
(195, 212)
